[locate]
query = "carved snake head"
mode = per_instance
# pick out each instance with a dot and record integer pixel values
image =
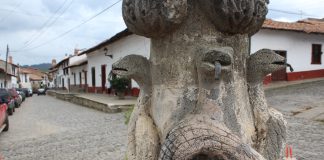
(133, 66)
(264, 62)
(236, 16)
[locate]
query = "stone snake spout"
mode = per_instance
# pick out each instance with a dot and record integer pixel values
(196, 86)
(266, 141)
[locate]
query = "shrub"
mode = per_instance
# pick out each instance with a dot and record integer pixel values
(119, 84)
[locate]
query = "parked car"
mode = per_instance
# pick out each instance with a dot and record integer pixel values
(25, 90)
(30, 92)
(4, 121)
(41, 91)
(22, 94)
(14, 95)
(6, 98)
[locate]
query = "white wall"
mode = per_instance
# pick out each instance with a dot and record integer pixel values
(9, 84)
(77, 71)
(297, 45)
(132, 44)
(24, 83)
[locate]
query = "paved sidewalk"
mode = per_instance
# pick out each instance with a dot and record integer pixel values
(111, 101)
(281, 84)
(101, 102)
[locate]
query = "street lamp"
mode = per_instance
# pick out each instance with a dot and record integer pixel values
(106, 53)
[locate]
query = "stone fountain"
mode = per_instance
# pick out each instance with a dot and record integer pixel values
(201, 92)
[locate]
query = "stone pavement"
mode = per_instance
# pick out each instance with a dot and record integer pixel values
(281, 84)
(302, 105)
(45, 128)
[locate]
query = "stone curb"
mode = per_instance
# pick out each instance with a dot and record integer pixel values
(86, 102)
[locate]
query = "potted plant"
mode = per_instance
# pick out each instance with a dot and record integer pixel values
(119, 84)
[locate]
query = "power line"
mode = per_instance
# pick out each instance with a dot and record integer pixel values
(47, 24)
(301, 13)
(73, 28)
(14, 9)
(23, 13)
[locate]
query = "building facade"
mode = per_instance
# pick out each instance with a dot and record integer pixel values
(300, 42)
(102, 56)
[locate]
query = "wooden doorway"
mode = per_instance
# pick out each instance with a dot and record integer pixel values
(103, 78)
(280, 75)
(85, 78)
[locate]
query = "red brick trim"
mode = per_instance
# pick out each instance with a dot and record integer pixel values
(293, 76)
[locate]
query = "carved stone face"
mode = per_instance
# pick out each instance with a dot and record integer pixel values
(265, 62)
(236, 16)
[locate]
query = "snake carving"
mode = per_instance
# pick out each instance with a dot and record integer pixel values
(198, 82)
(143, 141)
(267, 120)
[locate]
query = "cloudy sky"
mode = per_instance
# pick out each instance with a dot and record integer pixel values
(35, 29)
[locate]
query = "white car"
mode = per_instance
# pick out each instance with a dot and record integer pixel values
(30, 91)
(41, 91)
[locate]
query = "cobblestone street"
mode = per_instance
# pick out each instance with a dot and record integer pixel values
(305, 135)
(47, 128)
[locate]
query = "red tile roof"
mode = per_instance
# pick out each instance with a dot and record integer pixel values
(309, 25)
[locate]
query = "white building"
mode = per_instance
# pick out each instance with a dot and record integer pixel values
(32, 78)
(60, 74)
(11, 76)
(300, 42)
(78, 72)
(102, 56)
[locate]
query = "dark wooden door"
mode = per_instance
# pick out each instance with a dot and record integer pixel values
(103, 78)
(280, 75)
(86, 78)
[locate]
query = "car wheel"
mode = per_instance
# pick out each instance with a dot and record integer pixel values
(7, 123)
(10, 111)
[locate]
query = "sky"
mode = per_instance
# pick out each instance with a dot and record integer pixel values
(38, 31)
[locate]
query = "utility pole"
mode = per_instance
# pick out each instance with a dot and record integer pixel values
(5, 82)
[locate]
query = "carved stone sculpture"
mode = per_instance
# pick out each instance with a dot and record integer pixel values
(143, 140)
(269, 123)
(201, 91)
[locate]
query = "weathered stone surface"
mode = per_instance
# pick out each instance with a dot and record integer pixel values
(236, 17)
(153, 18)
(143, 139)
(199, 84)
(269, 124)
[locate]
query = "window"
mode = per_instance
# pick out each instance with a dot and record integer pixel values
(93, 74)
(316, 54)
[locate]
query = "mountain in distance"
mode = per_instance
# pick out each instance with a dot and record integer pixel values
(43, 66)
